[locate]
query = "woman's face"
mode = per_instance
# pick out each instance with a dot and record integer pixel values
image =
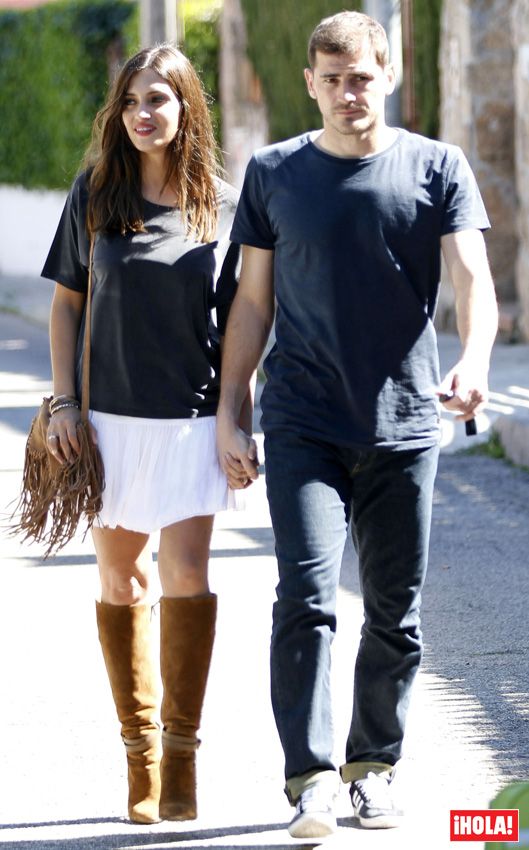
(151, 112)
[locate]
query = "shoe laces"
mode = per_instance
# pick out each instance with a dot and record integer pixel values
(374, 790)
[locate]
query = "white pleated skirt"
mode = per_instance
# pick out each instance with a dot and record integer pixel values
(159, 471)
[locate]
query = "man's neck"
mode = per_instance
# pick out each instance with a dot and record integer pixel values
(353, 145)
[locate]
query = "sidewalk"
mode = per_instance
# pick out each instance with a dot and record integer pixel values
(29, 297)
(61, 761)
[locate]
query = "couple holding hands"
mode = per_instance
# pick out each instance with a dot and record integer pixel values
(340, 232)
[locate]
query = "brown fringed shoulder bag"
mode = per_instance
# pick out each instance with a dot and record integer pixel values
(54, 496)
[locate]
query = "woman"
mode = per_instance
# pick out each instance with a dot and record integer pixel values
(160, 218)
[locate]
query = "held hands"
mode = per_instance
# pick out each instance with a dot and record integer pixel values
(237, 455)
(466, 387)
(62, 434)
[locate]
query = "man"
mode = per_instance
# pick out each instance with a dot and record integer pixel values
(343, 230)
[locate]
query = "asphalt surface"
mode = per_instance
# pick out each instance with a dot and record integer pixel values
(62, 767)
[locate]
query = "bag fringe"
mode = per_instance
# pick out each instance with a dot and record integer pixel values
(54, 497)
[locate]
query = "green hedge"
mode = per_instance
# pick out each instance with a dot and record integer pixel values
(54, 73)
(202, 47)
(53, 77)
(278, 32)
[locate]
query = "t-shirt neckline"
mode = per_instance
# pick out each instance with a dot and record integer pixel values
(352, 160)
(158, 206)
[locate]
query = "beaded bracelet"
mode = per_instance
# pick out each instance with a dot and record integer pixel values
(63, 398)
(64, 406)
(58, 400)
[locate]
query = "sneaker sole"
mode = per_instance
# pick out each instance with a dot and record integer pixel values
(381, 822)
(312, 826)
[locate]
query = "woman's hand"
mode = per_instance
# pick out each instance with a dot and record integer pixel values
(237, 453)
(65, 319)
(63, 441)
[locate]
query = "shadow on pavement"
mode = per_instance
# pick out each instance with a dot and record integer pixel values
(158, 838)
(26, 371)
(260, 540)
(24, 349)
(17, 418)
(54, 823)
(33, 561)
(126, 842)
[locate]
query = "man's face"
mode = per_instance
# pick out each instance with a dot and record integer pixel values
(350, 91)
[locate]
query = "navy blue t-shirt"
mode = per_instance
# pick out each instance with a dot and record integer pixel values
(356, 274)
(155, 347)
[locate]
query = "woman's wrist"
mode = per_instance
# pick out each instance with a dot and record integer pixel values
(62, 402)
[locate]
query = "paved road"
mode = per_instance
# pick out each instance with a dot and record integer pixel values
(61, 762)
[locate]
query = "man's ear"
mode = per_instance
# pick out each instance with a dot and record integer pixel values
(391, 79)
(309, 79)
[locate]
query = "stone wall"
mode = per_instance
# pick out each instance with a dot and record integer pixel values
(520, 28)
(492, 150)
(476, 62)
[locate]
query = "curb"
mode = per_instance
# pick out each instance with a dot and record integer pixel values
(513, 432)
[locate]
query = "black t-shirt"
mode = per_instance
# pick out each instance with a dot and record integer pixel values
(155, 348)
(356, 273)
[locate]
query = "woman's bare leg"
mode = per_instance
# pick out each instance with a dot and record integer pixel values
(183, 557)
(125, 562)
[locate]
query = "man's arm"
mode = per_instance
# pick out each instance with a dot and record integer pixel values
(249, 324)
(477, 320)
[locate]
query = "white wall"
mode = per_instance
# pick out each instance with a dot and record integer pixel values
(28, 220)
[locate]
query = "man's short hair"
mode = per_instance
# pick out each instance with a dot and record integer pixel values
(347, 32)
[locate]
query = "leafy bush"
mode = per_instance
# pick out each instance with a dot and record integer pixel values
(426, 24)
(54, 70)
(54, 64)
(278, 32)
(53, 78)
(202, 47)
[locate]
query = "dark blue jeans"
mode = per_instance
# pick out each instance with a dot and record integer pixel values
(315, 489)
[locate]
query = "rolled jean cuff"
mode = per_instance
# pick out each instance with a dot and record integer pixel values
(359, 769)
(297, 784)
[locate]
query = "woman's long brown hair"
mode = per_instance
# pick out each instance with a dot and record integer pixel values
(115, 200)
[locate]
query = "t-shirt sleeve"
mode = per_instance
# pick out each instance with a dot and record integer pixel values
(226, 287)
(252, 224)
(464, 208)
(67, 261)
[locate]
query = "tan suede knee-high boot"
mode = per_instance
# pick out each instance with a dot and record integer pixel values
(187, 635)
(124, 633)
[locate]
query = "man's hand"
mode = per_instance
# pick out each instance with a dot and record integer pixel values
(250, 320)
(466, 387)
(237, 453)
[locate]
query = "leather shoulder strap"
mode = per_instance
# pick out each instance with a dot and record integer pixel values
(85, 383)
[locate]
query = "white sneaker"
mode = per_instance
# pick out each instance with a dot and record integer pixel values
(314, 816)
(372, 802)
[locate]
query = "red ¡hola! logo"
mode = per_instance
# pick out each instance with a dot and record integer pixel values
(484, 825)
